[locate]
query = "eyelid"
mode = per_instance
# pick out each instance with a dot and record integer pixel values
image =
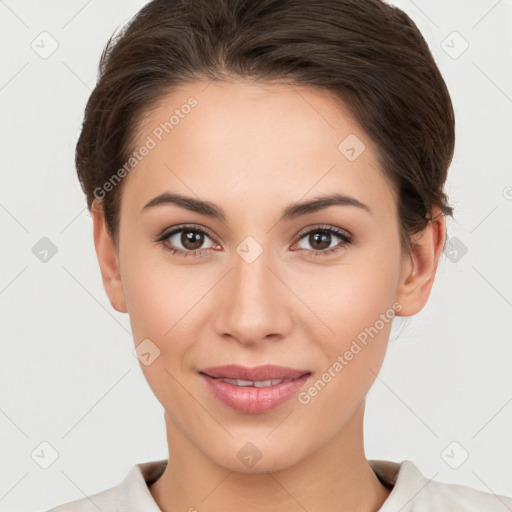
(166, 233)
(326, 227)
(344, 235)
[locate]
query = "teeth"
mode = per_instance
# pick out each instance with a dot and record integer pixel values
(240, 382)
(263, 383)
(257, 383)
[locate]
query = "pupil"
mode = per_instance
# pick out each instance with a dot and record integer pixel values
(323, 238)
(192, 238)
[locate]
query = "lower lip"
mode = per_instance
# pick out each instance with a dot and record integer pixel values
(251, 399)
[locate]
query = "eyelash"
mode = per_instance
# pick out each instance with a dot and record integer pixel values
(323, 229)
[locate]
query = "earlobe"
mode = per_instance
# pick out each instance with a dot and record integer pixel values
(419, 267)
(107, 259)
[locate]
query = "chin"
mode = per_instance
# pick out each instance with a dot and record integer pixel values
(261, 456)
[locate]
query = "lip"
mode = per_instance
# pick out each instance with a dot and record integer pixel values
(252, 399)
(264, 372)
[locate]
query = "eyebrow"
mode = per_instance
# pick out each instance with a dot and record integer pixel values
(291, 212)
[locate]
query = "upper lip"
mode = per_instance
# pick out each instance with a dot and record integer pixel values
(255, 373)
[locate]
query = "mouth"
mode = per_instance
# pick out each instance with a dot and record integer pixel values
(254, 383)
(254, 390)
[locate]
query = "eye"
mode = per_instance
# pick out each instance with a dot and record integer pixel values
(191, 238)
(321, 237)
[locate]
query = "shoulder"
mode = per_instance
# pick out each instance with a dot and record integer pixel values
(454, 497)
(104, 501)
(414, 492)
(130, 495)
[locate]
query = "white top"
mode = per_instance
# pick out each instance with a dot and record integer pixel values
(412, 492)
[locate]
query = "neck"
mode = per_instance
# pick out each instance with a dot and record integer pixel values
(337, 476)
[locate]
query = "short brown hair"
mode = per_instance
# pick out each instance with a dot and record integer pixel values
(369, 54)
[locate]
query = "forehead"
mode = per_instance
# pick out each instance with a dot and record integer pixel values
(254, 140)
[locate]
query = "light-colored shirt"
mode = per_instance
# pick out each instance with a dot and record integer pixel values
(411, 492)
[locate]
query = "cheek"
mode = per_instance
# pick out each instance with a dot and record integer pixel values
(164, 304)
(160, 301)
(348, 299)
(157, 293)
(354, 306)
(361, 317)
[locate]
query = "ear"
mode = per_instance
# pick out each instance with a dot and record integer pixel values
(108, 259)
(419, 268)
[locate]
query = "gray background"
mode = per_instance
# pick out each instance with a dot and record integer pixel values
(68, 374)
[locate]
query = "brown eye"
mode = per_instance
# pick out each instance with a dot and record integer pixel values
(185, 240)
(321, 238)
(191, 240)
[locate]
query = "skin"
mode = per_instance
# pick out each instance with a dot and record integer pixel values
(254, 149)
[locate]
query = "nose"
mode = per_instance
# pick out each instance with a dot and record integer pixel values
(254, 303)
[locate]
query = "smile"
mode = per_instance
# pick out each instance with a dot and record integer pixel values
(254, 390)
(255, 383)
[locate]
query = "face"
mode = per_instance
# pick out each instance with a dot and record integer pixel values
(259, 283)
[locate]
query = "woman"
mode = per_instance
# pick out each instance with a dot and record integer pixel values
(266, 185)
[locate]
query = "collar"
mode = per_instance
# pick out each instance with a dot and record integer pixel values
(134, 489)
